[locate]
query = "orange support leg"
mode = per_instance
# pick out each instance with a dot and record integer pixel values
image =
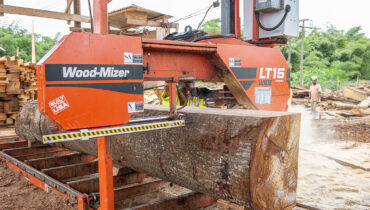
(105, 173)
(173, 101)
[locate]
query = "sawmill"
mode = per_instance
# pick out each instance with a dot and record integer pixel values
(89, 135)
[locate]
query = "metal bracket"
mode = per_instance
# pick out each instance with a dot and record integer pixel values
(47, 189)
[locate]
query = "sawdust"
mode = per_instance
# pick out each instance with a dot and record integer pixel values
(17, 193)
(7, 131)
(333, 171)
(355, 130)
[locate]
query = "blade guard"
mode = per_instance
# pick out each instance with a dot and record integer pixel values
(86, 81)
(258, 77)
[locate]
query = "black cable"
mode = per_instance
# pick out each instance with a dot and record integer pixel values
(188, 28)
(287, 10)
(91, 19)
(215, 37)
(277, 41)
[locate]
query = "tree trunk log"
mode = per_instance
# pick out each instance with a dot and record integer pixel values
(243, 156)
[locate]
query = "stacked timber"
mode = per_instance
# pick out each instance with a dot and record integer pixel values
(349, 102)
(17, 87)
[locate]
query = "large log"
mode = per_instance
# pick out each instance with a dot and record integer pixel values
(243, 156)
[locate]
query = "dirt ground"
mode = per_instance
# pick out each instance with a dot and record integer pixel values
(17, 193)
(334, 169)
(334, 163)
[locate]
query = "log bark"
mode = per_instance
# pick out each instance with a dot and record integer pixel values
(243, 156)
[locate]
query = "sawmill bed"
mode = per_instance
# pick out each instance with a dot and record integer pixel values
(74, 175)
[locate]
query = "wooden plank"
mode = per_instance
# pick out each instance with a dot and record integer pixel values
(69, 3)
(52, 162)
(91, 185)
(71, 171)
(77, 11)
(42, 13)
(78, 29)
(192, 200)
(354, 93)
(139, 22)
(130, 191)
(1, 3)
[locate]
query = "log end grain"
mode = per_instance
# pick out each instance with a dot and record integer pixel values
(274, 169)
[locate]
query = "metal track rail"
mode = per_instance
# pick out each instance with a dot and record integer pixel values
(75, 175)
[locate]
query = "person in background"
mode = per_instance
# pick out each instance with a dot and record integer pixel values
(184, 95)
(315, 96)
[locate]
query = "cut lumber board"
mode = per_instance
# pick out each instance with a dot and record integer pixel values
(43, 13)
(244, 156)
(13, 88)
(340, 105)
(355, 94)
(365, 102)
(11, 106)
(2, 116)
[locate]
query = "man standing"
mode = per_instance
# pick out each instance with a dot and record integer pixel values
(315, 96)
(184, 96)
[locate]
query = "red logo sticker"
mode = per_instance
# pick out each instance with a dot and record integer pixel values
(59, 104)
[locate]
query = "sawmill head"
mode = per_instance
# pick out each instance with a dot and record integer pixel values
(91, 80)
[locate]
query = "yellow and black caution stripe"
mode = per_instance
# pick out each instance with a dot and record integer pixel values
(87, 134)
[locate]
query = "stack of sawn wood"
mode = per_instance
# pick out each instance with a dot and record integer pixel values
(17, 86)
(349, 102)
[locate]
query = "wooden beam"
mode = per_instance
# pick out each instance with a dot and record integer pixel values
(42, 13)
(69, 3)
(1, 3)
(78, 29)
(77, 11)
(139, 22)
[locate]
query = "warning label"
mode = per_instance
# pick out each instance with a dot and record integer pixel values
(262, 95)
(135, 107)
(235, 62)
(133, 58)
(59, 104)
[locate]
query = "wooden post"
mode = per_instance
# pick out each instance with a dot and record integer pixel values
(17, 51)
(33, 44)
(302, 55)
(105, 173)
(1, 3)
(338, 84)
(77, 11)
(173, 98)
(357, 81)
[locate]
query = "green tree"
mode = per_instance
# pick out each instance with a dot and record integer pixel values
(332, 53)
(329, 54)
(12, 37)
(212, 26)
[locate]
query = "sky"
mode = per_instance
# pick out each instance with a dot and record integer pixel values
(342, 14)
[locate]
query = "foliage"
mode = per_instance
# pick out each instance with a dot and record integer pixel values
(212, 26)
(12, 36)
(330, 55)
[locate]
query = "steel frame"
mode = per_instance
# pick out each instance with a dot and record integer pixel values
(125, 184)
